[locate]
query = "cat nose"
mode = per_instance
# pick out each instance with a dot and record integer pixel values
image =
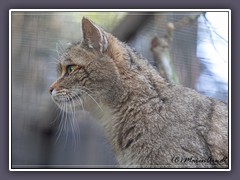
(50, 90)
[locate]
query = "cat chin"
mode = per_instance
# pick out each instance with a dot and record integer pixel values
(69, 106)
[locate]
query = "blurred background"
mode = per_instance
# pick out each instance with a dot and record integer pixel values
(199, 56)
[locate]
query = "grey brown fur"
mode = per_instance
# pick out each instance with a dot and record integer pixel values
(148, 122)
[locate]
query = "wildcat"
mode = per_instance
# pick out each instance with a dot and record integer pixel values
(148, 122)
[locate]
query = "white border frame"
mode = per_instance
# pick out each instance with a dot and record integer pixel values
(121, 10)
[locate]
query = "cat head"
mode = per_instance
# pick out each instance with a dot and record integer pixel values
(88, 74)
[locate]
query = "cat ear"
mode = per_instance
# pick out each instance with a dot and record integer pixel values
(93, 36)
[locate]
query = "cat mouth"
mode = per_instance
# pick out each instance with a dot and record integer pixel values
(66, 99)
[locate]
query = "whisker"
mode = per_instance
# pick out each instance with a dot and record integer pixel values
(60, 126)
(57, 50)
(78, 99)
(72, 125)
(73, 116)
(55, 59)
(91, 98)
(74, 122)
(66, 122)
(62, 46)
(58, 115)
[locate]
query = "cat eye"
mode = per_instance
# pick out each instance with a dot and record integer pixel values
(70, 68)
